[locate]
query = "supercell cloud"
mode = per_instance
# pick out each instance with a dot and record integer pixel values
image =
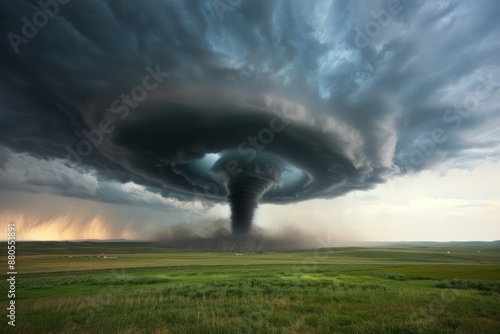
(167, 102)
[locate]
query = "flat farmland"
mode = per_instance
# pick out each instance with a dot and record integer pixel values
(129, 287)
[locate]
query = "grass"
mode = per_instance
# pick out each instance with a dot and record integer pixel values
(349, 290)
(470, 284)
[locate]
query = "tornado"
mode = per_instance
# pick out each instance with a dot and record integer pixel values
(246, 185)
(244, 195)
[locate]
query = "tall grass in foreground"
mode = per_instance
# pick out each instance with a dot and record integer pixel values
(252, 299)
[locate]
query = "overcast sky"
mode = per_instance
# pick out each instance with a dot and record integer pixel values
(349, 120)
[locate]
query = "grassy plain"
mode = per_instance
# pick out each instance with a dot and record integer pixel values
(70, 287)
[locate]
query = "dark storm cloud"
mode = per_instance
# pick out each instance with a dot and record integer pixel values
(343, 93)
(25, 173)
(4, 157)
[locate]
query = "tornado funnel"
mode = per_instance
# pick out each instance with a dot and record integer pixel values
(246, 185)
(244, 195)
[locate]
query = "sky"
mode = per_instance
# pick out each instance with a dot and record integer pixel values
(332, 122)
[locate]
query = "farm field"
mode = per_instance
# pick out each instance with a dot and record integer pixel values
(130, 287)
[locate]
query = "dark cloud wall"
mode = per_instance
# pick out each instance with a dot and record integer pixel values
(345, 94)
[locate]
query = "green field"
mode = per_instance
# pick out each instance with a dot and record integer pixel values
(126, 287)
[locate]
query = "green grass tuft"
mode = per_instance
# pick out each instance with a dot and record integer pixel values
(470, 284)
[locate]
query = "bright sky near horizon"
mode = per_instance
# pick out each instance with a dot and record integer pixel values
(462, 205)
